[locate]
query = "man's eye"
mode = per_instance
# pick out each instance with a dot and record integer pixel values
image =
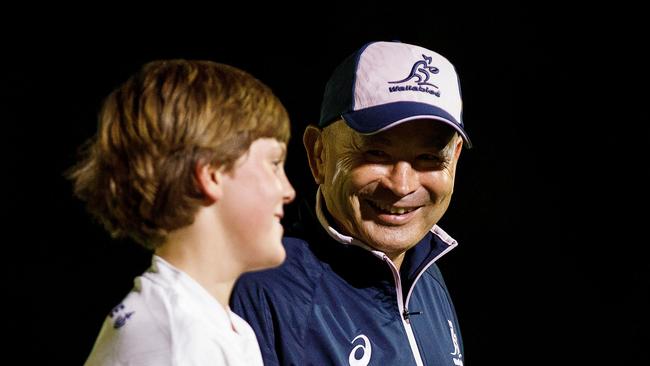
(431, 161)
(376, 153)
(429, 157)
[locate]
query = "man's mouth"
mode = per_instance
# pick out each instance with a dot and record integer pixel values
(388, 209)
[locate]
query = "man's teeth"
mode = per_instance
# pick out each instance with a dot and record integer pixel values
(392, 209)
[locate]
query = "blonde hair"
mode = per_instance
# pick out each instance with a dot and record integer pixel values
(137, 174)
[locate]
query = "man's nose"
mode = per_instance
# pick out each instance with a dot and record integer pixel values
(402, 179)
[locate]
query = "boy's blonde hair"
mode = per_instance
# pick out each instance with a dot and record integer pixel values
(137, 174)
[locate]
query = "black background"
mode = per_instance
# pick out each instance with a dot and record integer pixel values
(549, 209)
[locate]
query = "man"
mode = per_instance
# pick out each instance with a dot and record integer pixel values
(360, 285)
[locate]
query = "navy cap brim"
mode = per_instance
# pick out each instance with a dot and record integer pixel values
(382, 117)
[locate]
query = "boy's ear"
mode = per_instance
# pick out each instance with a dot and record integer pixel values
(209, 179)
(312, 139)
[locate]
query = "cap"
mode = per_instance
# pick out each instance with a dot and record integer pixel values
(385, 84)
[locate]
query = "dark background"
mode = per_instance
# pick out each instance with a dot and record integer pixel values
(549, 209)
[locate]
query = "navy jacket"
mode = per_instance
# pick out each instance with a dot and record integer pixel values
(335, 303)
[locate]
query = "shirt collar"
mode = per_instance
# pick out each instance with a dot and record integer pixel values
(190, 291)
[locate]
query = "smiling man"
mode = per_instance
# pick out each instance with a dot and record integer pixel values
(360, 285)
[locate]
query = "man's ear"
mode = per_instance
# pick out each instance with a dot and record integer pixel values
(459, 147)
(209, 179)
(313, 141)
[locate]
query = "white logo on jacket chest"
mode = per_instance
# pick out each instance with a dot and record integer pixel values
(458, 357)
(365, 350)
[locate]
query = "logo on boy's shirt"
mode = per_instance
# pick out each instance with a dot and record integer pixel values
(120, 316)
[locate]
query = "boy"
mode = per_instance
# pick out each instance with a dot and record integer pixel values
(188, 162)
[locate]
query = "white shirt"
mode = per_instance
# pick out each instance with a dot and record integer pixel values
(169, 319)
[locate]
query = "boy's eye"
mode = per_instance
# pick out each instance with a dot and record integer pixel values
(277, 164)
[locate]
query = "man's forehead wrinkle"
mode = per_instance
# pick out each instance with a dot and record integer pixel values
(374, 139)
(425, 139)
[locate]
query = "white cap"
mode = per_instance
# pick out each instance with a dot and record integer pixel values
(387, 83)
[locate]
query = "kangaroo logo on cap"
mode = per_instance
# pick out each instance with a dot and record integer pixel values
(420, 71)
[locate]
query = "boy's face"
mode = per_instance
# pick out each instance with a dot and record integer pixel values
(254, 193)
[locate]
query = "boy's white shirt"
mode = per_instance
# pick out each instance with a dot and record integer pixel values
(169, 319)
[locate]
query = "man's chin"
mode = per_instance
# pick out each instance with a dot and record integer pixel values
(391, 240)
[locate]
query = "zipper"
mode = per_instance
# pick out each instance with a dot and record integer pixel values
(408, 296)
(404, 313)
(403, 305)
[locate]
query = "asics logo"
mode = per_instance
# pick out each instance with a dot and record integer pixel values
(364, 350)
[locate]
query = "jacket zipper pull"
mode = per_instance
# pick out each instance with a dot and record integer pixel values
(408, 313)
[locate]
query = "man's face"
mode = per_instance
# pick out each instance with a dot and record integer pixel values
(387, 189)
